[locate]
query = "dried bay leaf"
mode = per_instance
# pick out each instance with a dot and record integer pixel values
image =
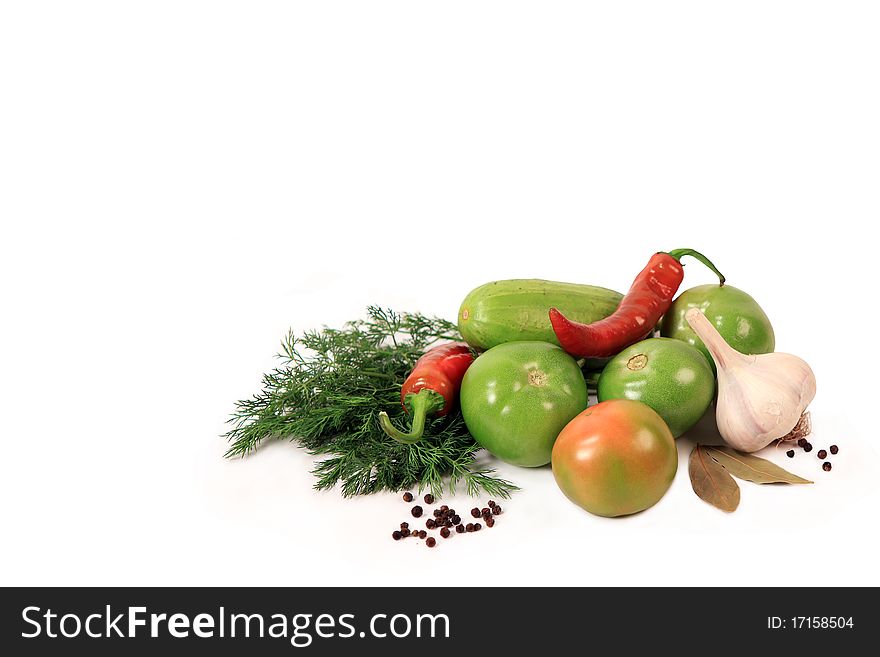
(711, 482)
(753, 468)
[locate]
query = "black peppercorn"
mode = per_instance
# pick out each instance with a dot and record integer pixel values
(429, 499)
(485, 512)
(790, 453)
(422, 533)
(802, 442)
(826, 466)
(444, 508)
(396, 535)
(430, 524)
(490, 503)
(497, 510)
(437, 513)
(405, 532)
(404, 525)
(477, 526)
(469, 527)
(407, 497)
(808, 447)
(460, 529)
(445, 532)
(490, 522)
(417, 512)
(456, 520)
(475, 512)
(431, 542)
(834, 449)
(821, 454)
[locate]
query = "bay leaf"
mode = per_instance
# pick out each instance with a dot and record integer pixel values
(753, 468)
(711, 482)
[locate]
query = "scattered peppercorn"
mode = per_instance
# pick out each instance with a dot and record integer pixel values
(808, 447)
(790, 453)
(826, 466)
(834, 449)
(447, 520)
(802, 442)
(822, 454)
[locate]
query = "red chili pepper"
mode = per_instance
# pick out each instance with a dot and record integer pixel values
(432, 387)
(647, 300)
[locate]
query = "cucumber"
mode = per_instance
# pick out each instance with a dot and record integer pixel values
(506, 311)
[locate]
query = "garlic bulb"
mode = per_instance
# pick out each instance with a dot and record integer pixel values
(760, 398)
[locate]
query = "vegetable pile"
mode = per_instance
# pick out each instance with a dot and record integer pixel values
(404, 401)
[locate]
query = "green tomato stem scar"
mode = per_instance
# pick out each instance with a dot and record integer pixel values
(637, 362)
(537, 378)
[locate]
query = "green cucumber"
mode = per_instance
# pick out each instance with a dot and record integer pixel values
(507, 311)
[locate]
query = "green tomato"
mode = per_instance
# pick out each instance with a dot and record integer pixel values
(517, 397)
(670, 376)
(615, 458)
(737, 316)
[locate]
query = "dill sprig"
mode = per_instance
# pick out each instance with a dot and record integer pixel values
(326, 397)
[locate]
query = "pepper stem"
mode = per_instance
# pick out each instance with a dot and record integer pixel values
(679, 253)
(419, 404)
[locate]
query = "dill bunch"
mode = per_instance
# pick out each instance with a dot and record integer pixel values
(326, 397)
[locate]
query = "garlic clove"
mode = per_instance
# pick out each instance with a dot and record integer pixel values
(760, 397)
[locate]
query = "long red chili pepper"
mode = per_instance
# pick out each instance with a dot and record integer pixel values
(432, 387)
(647, 300)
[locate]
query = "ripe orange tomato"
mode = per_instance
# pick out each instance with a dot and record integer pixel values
(616, 458)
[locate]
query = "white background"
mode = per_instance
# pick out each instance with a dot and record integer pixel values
(180, 182)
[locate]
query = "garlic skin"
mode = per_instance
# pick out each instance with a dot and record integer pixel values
(760, 397)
